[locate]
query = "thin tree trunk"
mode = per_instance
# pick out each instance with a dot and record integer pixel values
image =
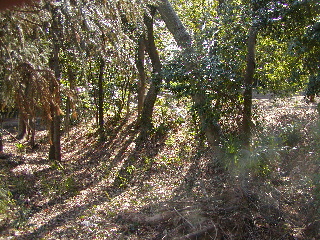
(56, 137)
(1, 143)
(71, 78)
(248, 82)
(31, 122)
(32, 131)
(55, 123)
(148, 107)
(22, 128)
(52, 154)
(67, 116)
(142, 75)
(207, 117)
(128, 104)
(100, 100)
(55, 134)
(1, 126)
(24, 116)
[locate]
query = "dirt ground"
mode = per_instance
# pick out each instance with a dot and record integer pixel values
(169, 188)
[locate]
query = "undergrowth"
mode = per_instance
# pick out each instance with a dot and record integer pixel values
(112, 190)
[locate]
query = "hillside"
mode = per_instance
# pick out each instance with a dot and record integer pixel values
(170, 187)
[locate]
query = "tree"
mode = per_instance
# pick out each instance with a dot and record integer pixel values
(267, 15)
(249, 75)
(1, 143)
(54, 64)
(62, 36)
(141, 73)
(184, 40)
(150, 99)
(248, 86)
(20, 76)
(101, 99)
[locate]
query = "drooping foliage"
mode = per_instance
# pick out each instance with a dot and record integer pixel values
(70, 38)
(87, 33)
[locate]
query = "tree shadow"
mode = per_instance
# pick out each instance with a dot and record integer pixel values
(213, 209)
(100, 165)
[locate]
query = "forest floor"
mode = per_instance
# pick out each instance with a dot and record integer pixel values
(170, 188)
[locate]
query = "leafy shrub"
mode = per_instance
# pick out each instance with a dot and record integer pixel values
(290, 135)
(6, 206)
(313, 87)
(21, 148)
(316, 182)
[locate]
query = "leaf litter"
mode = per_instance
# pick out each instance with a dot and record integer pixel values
(167, 189)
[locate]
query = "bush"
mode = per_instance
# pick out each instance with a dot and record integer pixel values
(313, 87)
(290, 135)
(6, 206)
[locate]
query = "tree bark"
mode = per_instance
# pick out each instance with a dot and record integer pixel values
(55, 145)
(248, 82)
(52, 152)
(142, 74)
(55, 134)
(150, 99)
(22, 128)
(32, 131)
(56, 137)
(100, 100)
(209, 124)
(72, 79)
(67, 116)
(1, 142)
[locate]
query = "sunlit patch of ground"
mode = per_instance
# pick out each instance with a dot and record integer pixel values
(106, 190)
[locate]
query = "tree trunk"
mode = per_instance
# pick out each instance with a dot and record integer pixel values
(100, 100)
(248, 82)
(56, 137)
(142, 75)
(52, 152)
(67, 116)
(147, 111)
(72, 79)
(22, 128)
(1, 142)
(208, 122)
(25, 113)
(128, 104)
(55, 134)
(32, 131)
(55, 123)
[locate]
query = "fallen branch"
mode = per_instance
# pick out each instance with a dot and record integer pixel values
(153, 220)
(11, 135)
(201, 233)
(184, 219)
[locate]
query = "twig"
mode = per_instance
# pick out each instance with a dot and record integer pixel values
(11, 135)
(184, 218)
(216, 230)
